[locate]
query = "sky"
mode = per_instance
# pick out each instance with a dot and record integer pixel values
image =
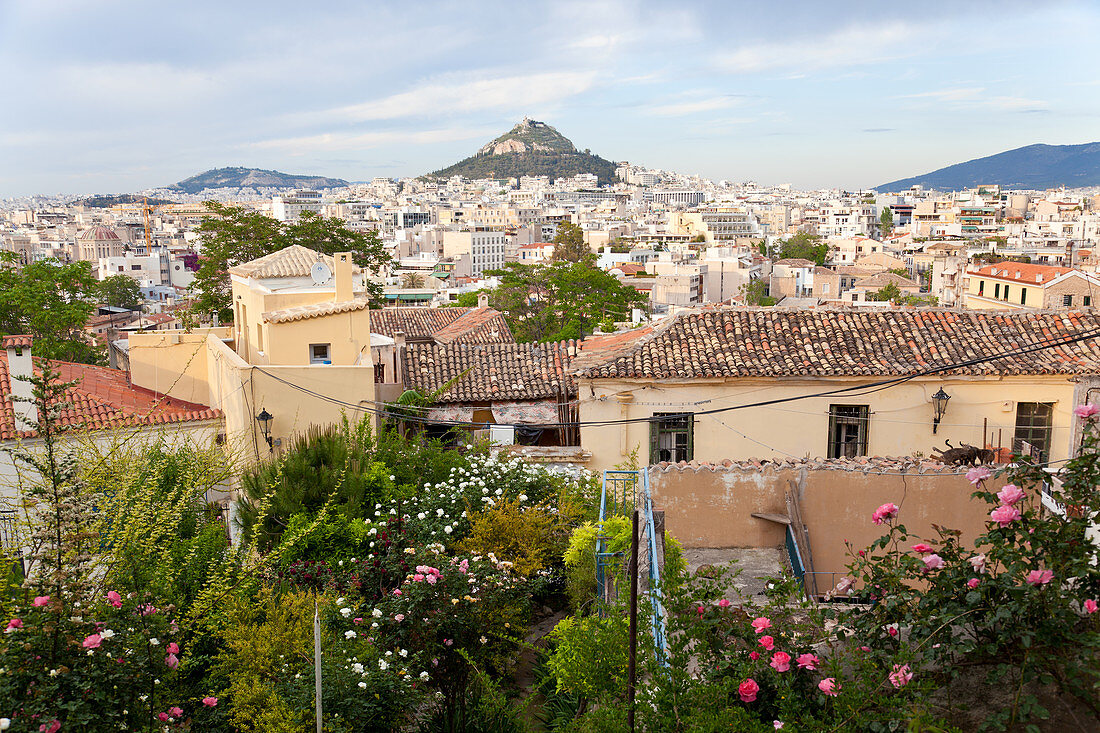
(102, 96)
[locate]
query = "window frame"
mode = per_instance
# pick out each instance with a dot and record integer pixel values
(1027, 429)
(672, 424)
(314, 359)
(860, 419)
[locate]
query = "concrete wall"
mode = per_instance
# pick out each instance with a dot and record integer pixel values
(712, 505)
(900, 421)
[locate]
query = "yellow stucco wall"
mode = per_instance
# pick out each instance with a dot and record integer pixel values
(348, 336)
(900, 420)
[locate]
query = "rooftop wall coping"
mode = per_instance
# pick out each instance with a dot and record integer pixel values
(867, 464)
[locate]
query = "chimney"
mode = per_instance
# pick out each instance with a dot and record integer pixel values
(482, 300)
(18, 349)
(342, 275)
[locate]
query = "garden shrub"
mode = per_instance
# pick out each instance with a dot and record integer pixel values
(589, 657)
(531, 537)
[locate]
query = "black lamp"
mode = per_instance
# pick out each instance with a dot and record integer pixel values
(939, 406)
(264, 419)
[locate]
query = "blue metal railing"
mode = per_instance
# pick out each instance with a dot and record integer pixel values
(795, 556)
(659, 647)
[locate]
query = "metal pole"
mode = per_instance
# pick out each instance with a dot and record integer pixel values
(631, 667)
(317, 660)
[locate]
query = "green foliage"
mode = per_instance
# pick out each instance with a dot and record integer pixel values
(890, 292)
(465, 300)
(52, 302)
(589, 657)
(121, 291)
(569, 244)
(238, 235)
(531, 537)
(562, 300)
(755, 292)
(886, 221)
(805, 247)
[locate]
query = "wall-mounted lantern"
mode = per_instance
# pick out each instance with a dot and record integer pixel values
(264, 419)
(939, 407)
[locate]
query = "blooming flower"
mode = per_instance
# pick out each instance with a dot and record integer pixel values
(1005, 515)
(172, 661)
(700, 610)
(767, 642)
(932, 562)
(778, 724)
(977, 562)
(828, 686)
(40, 601)
(383, 665)
(977, 474)
(350, 634)
(724, 603)
(748, 690)
(377, 613)
(1091, 606)
(162, 717)
(92, 642)
(172, 648)
(922, 547)
(1087, 411)
(175, 712)
(1040, 577)
(210, 702)
(901, 676)
(884, 512)
(808, 661)
(52, 727)
(892, 629)
(760, 623)
(399, 617)
(107, 634)
(781, 661)
(14, 624)
(972, 583)
(1010, 494)
(754, 656)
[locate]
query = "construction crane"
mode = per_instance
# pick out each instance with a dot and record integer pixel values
(146, 215)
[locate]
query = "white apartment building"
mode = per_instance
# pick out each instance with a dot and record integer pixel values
(290, 208)
(156, 269)
(846, 221)
(486, 248)
(676, 198)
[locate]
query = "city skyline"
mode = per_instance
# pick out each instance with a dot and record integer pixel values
(123, 97)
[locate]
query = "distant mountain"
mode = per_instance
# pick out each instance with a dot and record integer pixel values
(531, 148)
(1032, 167)
(108, 200)
(252, 178)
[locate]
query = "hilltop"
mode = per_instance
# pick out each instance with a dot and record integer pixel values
(531, 148)
(252, 178)
(1031, 167)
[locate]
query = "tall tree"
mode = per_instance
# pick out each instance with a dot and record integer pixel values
(755, 292)
(412, 280)
(121, 291)
(886, 222)
(237, 235)
(52, 302)
(803, 246)
(569, 244)
(561, 300)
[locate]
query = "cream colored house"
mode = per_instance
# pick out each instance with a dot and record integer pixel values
(1016, 285)
(665, 391)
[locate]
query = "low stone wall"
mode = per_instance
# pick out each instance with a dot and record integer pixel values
(711, 504)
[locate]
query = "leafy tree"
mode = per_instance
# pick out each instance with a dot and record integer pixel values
(121, 291)
(412, 280)
(804, 246)
(755, 292)
(237, 235)
(562, 300)
(888, 292)
(886, 221)
(698, 239)
(52, 302)
(464, 300)
(899, 271)
(569, 244)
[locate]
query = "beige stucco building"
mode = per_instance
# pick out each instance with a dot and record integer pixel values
(1016, 285)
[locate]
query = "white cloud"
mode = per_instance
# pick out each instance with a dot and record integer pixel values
(691, 107)
(366, 140)
(976, 98)
(450, 95)
(946, 95)
(852, 46)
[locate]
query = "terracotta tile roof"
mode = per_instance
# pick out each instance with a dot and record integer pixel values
(765, 342)
(423, 324)
(14, 341)
(882, 279)
(1023, 272)
(315, 310)
(796, 262)
(100, 234)
(292, 261)
(492, 372)
(103, 398)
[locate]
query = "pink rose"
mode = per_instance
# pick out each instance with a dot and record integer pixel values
(767, 642)
(845, 584)
(210, 702)
(418, 577)
(978, 474)
(884, 512)
(892, 630)
(399, 617)
(114, 599)
(357, 620)
(92, 642)
(777, 724)
(172, 648)
(148, 609)
(754, 656)
(932, 562)
(172, 661)
(972, 583)
(700, 610)
(901, 676)
(1090, 606)
(397, 591)
(760, 623)
(52, 727)
(828, 686)
(40, 601)
(1086, 411)
(1010, 494)
(162, 717)
(808, 661)
(978, 563)
(175, 712)
(781, 661)
(447, 642)
(921, 547)
(1005, 515)
(432, 579)
(748, 690)
(724, 603)
(1040, 577)
(14, 624)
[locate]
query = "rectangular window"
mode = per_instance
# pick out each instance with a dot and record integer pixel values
(848, 430)
(981, 287)
(1023, 296)
(672, 437)
(997, 290)
(318, 354)
(1006, 292)
(1086, 300)
(1034, 422)
(1067, 300)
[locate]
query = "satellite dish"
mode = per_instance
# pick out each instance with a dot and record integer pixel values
(320, 273)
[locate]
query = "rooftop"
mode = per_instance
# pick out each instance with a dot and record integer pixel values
(292, 261)
(492, 372)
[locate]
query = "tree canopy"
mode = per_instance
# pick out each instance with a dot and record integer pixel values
(569, 245)
(52, 302)
(562, 300)
(886, 221)
(121, 291)
(803, 246)
(237, 235)
(755, 292)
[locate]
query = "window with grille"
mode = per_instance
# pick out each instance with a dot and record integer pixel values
(1067, 300)
(672, 437)
(1034, 421)
(848, 430)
